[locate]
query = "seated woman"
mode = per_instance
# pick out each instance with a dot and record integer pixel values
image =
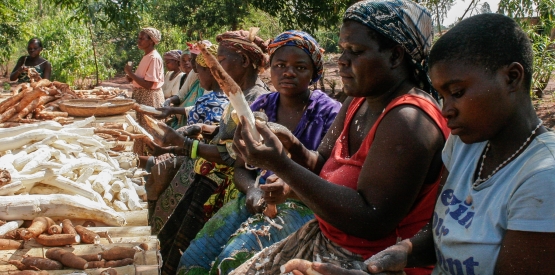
(495, 212)
(243, 55)
(208, 111)
(172, 79)
(33, 60)
(374, 178)
(295, 62)
(178, 106)
(148, 79)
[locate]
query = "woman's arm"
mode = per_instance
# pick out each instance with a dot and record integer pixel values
(245, 182)
(47, 74)
(524, 252)
(17, 70)
(405, 144)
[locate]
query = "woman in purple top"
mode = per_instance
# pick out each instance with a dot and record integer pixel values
(228, 238)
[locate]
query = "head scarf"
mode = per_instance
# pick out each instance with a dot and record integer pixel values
(213, 49)
(173, 54)
(247, 42)
(305, 42)
(193, 48)
(154, 34)
(402, 21)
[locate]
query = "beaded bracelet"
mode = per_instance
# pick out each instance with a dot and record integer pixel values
(194, 149)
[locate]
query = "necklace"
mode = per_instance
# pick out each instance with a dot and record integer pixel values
(480, 180)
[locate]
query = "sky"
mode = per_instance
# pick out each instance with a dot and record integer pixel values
(458, 9)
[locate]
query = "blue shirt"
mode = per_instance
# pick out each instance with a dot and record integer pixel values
(208, 109)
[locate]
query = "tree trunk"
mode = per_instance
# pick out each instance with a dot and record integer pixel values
(94, 54)
(40, 8)
(438, 21)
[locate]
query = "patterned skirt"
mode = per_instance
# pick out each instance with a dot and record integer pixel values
(234, 235)
(307, 243)
(153, 98)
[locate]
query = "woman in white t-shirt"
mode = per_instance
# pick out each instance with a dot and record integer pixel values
(172, 79)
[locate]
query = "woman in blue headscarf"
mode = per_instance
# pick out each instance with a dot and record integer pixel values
(231, 236)
(374, 178)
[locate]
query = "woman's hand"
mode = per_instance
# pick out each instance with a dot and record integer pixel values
(255, 203)
(265, 154)
(391, 259)
(154, 149)
(276, 191)
(192, 131)
(303, 267)
(166, 112)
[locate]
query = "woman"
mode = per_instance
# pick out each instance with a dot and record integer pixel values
(172, 79)
(374, 178)
(33, 60)
(495, 212)
(207, 111)
(243, 55)
(180, 105)
(148, 78)
(296, 62)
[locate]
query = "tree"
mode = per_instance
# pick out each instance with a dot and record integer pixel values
(439, 9)
(13, 16)
(485, 8)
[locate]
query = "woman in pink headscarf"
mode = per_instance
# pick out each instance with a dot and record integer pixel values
(148, 79)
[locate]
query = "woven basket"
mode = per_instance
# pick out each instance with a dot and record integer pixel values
(96, 107)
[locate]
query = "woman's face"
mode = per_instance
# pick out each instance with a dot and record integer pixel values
(144, 41)
(206, 79)
(194, 62)
(364, 67)
(171, 64)
(232, 62)
(474, 103)
(34, 49)
(291, 70)
(185, 63)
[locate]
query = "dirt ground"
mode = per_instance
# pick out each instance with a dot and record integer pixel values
(331, 82)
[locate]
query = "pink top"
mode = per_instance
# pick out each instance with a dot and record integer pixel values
(151, 69)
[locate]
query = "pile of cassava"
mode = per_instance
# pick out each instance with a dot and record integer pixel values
(47, 169)
(46, 232)
(36, 101)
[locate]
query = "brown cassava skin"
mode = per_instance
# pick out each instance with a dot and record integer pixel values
(42, 263)
(87, 236)
(118, 253)
(109, 271)
(19, 265)
(58, 239)
(6, 244)
(119, 263)
(14, 234)
(96, 264)
(55, 229)
(39, 226)
(91, 257)
(67, 227)
(10, 111)
(11, 101)
(66, 258)
(144, 246)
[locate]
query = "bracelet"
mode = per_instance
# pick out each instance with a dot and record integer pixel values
(194, 149)
(186, 150)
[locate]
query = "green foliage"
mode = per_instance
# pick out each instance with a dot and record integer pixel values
(537, 18)
(13, 16)
(70, 52)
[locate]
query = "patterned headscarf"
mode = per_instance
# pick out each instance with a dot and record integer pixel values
(173, 54)
(402, 21)
(247, 42)
(154, 34)
(213, 49)
(305, 42)
(193, 48)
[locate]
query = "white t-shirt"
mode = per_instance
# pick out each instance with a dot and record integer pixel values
(469, 223)
(171, 86)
